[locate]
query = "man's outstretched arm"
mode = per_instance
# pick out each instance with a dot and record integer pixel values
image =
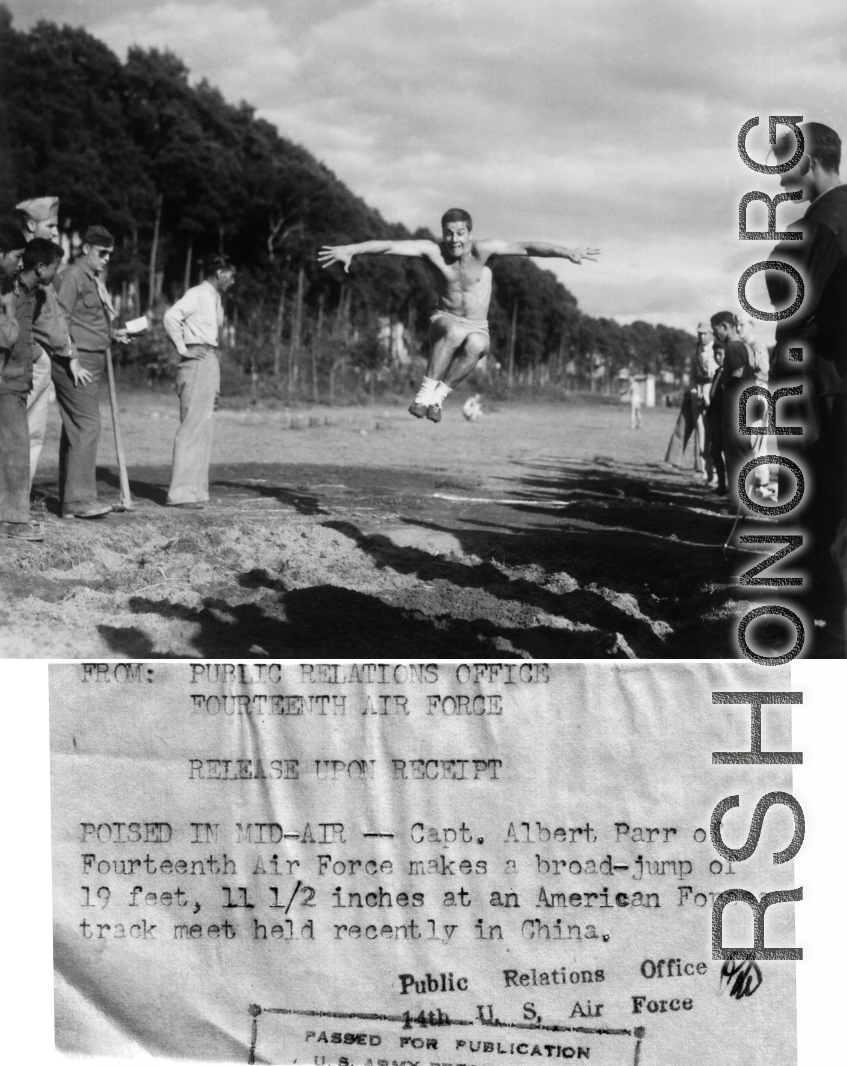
(489, 248)
(343, 253)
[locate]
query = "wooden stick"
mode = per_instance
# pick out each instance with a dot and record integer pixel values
(126, 499)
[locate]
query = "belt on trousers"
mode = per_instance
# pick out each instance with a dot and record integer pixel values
(201, 347)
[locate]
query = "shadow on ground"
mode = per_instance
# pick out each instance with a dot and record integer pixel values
(563, 560)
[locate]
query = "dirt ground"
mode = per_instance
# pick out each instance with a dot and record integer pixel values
(539, 531)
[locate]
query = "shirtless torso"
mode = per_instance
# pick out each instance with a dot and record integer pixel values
(464, 284)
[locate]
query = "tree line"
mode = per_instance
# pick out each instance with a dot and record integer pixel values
(176, 172)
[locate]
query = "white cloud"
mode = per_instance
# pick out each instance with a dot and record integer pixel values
(234, 46)
(592, 121)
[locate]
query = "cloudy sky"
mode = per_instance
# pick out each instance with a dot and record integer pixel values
(604, 122)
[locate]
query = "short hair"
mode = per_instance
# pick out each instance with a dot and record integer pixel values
(41, 252)
(724, 318)
(21, 219)
(11, 237)
(821, 143)
(219, 262)
(456, 214)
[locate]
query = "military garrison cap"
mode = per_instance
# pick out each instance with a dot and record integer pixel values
(39, 209)
(99, 236)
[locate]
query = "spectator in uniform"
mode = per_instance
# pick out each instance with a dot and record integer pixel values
(736, 375)
(17, 302)
(713, 424)
(39, 218)
(694, 401)
(87, 306)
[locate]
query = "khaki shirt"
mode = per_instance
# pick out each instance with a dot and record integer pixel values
(9, 328)
(79, 298)
(16, 370)
(49, 327)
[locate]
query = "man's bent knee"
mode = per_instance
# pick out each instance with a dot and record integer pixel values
(477, 345)
(440, 329)
(450, 339)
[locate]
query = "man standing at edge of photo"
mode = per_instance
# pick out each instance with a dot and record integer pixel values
(16, 309)
(820, 328)
(39, 219)
(194, 324)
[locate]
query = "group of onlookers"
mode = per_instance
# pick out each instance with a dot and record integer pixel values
(59, 327)
(809, 357)
(727, 359)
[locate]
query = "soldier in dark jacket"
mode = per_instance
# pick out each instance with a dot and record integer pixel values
(23, 271)
(819, 327)
(735, 376)
(88, 309)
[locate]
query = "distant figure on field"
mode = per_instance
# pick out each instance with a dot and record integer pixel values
(194, 324)
(472, 408)
(636, 402)
(459, 267)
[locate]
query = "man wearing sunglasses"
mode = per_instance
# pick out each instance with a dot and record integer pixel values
(88, 309)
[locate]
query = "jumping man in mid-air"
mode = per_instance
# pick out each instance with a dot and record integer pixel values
(458, 263)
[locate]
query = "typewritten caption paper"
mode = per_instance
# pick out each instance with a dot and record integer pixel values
(414, 863)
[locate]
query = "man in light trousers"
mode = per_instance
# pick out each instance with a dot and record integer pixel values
(194, 324)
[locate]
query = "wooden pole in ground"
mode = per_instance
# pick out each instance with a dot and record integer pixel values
(316, 346)
(187, 281)
(151, 283)
(296, 334)
(512, 335)
(126, 499)
(276, 345)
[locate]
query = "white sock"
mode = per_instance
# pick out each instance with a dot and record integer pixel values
(426, 393)
(440, 393)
